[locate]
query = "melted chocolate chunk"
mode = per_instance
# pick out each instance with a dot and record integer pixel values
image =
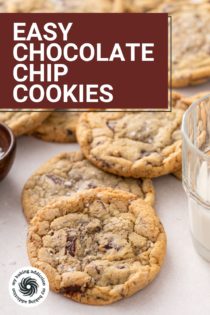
(140, 181)
(97, 270)
(102, 204)
(111, 124)
(71, 245)
(70, 290)
(90, 186)
(145, 153)
(97, 229)
(104, 163)
(110, 245)
(56, 180)
(69, 132)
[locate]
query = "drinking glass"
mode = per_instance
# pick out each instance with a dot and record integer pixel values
(196, 172)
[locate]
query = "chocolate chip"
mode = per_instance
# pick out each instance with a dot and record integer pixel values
(104, 163)
(90, 186)
(108, 246)
(69, 132)
(117, 247)
(140, 181)
(145, 153)
(111, 245)
(71, 245)
(97, 270)
(120, 267)
(102, 204)
(99, 142)
(111, 125)
(56, 180)
(71, 289)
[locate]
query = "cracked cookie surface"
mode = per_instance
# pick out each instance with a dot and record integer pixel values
(74, 6)
(190, 41)
(15, 6)
(22, 122)
(188, 100)
(68, 173)
(103, 6)
(23, 6)
(98, 246)
(132, 144)
(2, 6)
(58, 127)
(139, 5)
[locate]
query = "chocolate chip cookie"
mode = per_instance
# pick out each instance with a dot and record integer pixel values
(98, 246)
(103, 6)
(2, 6)
(22, 122)
(15, 6)
(191, 41)
(68, 173)
(139, 5)
(61, 5)
(132, 144)
(58, 127)
(188, 100)
(178, 174)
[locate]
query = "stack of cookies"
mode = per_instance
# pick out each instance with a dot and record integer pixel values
(55, 126)
(95, 235)
(92, 226)
(136, 137)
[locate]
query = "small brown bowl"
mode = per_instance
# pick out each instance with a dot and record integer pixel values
(7, 150)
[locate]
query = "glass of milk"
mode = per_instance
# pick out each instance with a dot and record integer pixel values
(196, 172)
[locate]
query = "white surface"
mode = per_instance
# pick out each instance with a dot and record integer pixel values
(183, 285)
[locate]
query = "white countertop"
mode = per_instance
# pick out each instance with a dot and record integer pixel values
(183, 285)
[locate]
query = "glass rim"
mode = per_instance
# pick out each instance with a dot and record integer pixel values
(184, 126)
